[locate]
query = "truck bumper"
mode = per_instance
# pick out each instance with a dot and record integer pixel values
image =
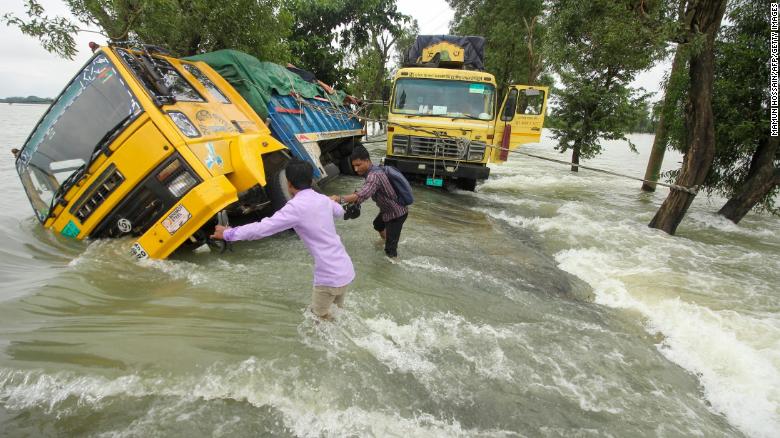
(185, 218)
(443, 169)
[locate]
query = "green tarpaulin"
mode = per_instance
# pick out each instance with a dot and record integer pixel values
(257, 81)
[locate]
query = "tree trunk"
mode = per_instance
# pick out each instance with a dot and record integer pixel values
(704, 16)
(656, 159)
(762, 178)
(575, 158)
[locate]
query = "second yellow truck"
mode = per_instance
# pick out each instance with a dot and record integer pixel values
(444, 125)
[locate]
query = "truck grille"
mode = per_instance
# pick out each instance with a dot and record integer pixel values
(97, 193)
(146, 202)
(450, 148)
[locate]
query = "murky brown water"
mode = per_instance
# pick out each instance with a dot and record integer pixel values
(541, 305)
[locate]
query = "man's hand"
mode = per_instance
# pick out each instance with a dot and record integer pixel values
(218, 232)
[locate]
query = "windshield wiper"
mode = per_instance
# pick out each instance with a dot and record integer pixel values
(76, 176)
(69, 182)
(102, 144)
(468, 116)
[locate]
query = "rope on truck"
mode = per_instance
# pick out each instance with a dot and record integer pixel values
(465, 141)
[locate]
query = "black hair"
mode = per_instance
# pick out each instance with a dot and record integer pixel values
(359, 152)
(299, 173)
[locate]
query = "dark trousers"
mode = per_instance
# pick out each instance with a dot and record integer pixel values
(393, 234)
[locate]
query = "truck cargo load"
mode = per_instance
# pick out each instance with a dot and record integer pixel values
(453, 51)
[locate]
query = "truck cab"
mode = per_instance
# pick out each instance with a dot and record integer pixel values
(145, 145)
(444, 122)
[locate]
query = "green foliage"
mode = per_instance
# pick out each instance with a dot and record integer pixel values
(513, 33)
(55, 34)
(740, 100)
(258, 27)
(330, 36)
(597, 48)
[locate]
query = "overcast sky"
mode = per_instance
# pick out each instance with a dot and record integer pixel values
(26, 69)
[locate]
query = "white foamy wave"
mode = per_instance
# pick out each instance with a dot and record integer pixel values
(413, 347)
(740, 379)
(720, 223)
(26, 389)
(306, 411)
(533, 181)
(509, 200)
(432, 265)
(178, 269)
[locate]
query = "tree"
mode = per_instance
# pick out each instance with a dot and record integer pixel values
(597, 48)
(661, 139)
(258, 27)
(513, 33)
(702, 21)
(55, 34)
(314, 38)
(745, 166)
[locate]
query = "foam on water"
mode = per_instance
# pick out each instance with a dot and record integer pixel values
(305, 411)
(678, 287)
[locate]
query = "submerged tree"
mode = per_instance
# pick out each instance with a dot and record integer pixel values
(666, 107)
(747, 158)
(597, 48)
(746, 165)
(702, 21)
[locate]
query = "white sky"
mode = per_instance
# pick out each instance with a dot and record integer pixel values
(27, 69)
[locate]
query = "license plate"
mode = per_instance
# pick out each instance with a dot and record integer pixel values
(435, 182)
(178, 217)
(138, 251)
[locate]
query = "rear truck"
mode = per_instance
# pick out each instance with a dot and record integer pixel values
(443, 123)
(162, 149)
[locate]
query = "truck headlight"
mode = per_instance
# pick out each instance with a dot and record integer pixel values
(183, 123)
(177, 178)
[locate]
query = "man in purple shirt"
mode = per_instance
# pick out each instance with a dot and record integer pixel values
(311, 215)
(392, 214)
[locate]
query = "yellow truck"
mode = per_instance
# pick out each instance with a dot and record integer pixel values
(443, 124)
(160, 149)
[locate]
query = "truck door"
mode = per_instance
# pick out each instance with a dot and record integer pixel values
(520, 119)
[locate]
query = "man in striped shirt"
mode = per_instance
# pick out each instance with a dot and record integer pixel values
(392, 214)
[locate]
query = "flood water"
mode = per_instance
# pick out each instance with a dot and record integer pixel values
(541, 305)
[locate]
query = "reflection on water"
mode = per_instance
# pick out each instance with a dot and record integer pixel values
(541, 305)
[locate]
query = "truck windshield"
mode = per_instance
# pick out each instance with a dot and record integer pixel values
(456, 99)
(87, 114)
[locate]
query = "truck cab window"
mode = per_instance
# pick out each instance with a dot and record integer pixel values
(179, 88)
(206, 82)
(530, 102)
(444, 98)
(95, 103)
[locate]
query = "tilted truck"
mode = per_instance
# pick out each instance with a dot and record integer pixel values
(444, 126)
(161, 149)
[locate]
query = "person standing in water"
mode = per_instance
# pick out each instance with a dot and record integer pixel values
(378, 187)
(311, 215)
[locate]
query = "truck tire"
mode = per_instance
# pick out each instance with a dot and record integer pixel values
(277, 191)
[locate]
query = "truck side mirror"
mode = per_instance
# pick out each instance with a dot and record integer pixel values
(385, 93)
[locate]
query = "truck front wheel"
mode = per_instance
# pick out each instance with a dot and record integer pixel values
(277, 190)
